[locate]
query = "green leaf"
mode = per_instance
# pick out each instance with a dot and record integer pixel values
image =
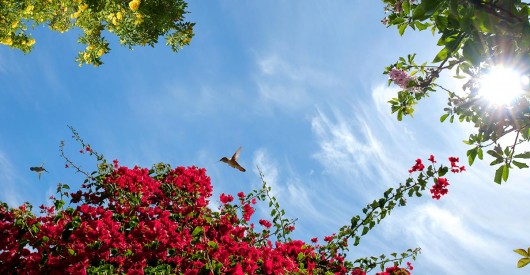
(471, 155)
(442, 55)
(419, 12)
(212, 244)
(197, 231)
(519, 165)
(522, 262)
(365, 230)
(406, 7)
(444, 117)
(521, 252)
(421, 26)
(505, 172)
(494, 154)
(425, 9)
(498, 175)
(479, 153)
(472, 51)
(402, 28)
(525, 155)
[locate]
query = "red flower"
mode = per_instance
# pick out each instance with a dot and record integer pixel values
(314, 240)
(226, 198)
(417, 167)
(328, 238)
(237, 270)
(247, 212)
(358, 271)
(265, 223)
(431, 159)
(454, 165)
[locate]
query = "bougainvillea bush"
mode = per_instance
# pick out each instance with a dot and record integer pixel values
(158, 221)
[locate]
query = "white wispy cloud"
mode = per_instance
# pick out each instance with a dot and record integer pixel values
(291, 193)
(289, 85)
(10, 183)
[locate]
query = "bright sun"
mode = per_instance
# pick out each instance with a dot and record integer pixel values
(502, 85)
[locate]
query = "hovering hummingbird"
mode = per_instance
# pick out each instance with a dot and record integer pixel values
(233, 161)
(39, 169)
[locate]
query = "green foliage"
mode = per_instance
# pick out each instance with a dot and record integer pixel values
(474, 36)
(135, 22)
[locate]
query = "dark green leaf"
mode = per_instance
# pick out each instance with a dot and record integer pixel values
(365, 230)
(498, 175)
(472, 51)
(519, 165)
(494, 154)
(425, 9)
(525, 155)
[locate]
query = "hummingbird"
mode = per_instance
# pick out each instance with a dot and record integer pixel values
(39, 169)
(233, 161)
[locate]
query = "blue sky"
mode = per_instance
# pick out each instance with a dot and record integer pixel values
(300, 86)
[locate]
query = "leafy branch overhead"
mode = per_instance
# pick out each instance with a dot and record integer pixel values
(477, 38)
(136, 22)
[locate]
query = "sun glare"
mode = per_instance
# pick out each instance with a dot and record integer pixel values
(502, 85)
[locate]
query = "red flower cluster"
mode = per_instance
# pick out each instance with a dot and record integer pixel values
(396, 270)
(439, 188)
(132, 221)
(454, 165)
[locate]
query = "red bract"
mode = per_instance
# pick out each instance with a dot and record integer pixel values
(454, 165)
(431, 159)
(394, 270)
(265, 223)
(226, 198)
(417, 167)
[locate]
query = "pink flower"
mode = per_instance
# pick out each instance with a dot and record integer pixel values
(402, 79)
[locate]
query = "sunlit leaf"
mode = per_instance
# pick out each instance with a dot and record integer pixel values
(521, 252)
(523, 262)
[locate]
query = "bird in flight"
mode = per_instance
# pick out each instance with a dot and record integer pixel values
(38, 169)
(233, 161)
